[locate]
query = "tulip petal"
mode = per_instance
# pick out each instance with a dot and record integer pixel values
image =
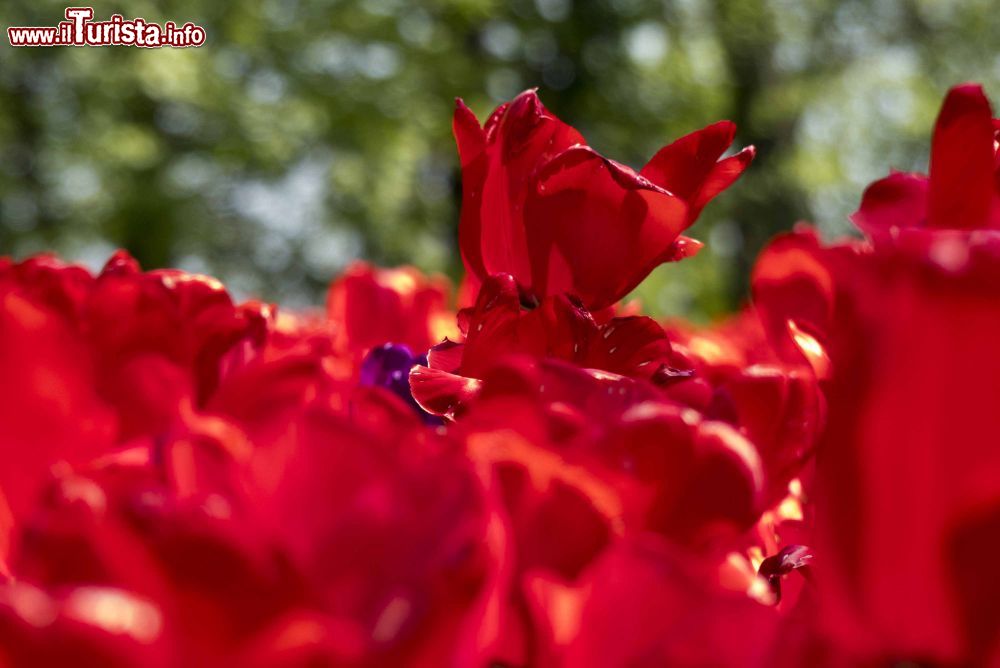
(898, 200)
(441, 393)
(596, 228)
(962, 161)
(518, 138)
(690, 167)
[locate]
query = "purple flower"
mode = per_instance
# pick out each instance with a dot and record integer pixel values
(388, 366)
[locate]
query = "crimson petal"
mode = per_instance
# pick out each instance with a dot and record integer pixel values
(962, 161)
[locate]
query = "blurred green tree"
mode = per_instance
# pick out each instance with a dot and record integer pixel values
(309, 132)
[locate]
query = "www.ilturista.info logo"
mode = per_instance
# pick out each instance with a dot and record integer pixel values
(80, 30)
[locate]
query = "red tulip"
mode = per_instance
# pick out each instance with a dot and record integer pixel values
(962, 191)
(907, 498)
(367, 307)
(97, 361)
(540, 205)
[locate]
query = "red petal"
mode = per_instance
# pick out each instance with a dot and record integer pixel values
(446, 356)
(75, 628)
(793, 292)
(596, 228)
(368, 306)
(498, 326)
(471, 141)
(680, 616)
(707, 479)
(684, 247)
(782, 412)
(441, 393)
(50, 409)
(469, 136)
(122, 263)
(723, 175)
(962, 161)
(633, 346)
(563, 515)
(898, 200)
(519, 139)
(492, 325)
(689, 169)
(682, 166)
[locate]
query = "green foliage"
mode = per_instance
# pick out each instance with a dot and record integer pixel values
(308, 132)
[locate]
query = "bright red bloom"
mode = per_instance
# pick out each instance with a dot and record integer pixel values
(907, 494)
(772, 396)
(297, 519)
(963, 189)
(498, 326)
(367, 307)
(669, 469)
(540, 205)
(92, 362)
(580, 460)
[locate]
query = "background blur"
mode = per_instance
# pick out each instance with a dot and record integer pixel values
(306, 133)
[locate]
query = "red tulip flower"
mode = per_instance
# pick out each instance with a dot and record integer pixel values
(542, 206)
(908, 501)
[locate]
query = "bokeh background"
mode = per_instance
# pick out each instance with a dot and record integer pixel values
(307, 133)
